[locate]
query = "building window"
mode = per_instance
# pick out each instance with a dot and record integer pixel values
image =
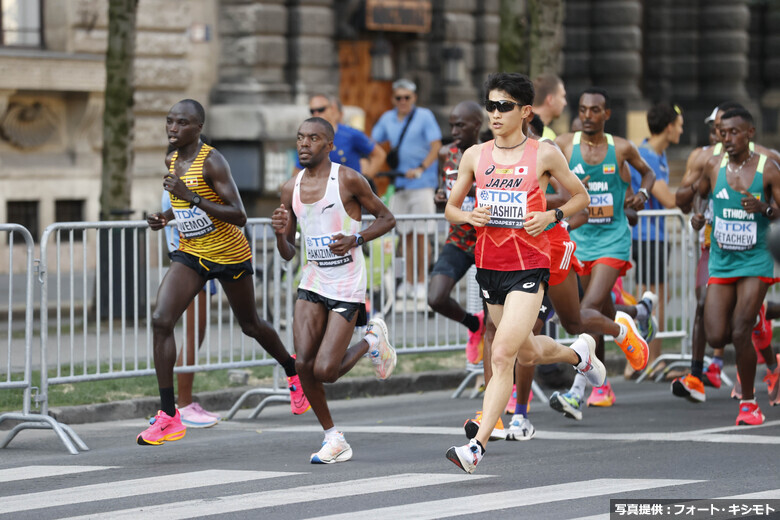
(24, 213)
(21, 22)
(70, 211)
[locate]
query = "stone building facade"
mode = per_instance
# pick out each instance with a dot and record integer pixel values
(253, 63)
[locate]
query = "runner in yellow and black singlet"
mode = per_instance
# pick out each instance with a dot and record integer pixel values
(208, 212)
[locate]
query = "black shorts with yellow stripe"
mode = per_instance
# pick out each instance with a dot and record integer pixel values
(210, 270)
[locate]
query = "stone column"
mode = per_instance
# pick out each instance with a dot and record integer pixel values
(314, 60)
(253, 63)
(657, 49)
(684, 50)
(443, 68)
(487, 24)
(723, 50)
(576, 51)
(616, 45)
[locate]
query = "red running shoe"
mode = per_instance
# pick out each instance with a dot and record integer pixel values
(711, 376)
(298, 402)
(762, 333)
(749, 414)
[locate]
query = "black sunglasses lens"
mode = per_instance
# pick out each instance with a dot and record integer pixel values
(502, 105)
(317, 110)
(404, 98)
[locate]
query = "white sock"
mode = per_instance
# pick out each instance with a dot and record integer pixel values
(748, 401)
(621, 337)
(580, 346)
(372, 341)
(578, 387)
(331, 432)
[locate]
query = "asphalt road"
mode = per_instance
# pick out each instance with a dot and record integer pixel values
(649, 446)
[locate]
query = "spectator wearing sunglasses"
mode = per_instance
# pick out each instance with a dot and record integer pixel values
(417, 180)
(350, 145)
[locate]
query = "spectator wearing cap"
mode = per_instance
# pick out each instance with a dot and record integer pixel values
(413, 133)
(665, 122)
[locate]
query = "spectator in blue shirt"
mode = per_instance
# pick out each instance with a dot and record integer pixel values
(415, 186)
(649, 241)
(351, 147)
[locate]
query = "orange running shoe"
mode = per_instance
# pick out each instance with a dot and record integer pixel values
(749, 414)
(690, 387)
(633, 345)
(772, 387)
(602, 396)
(471, 427)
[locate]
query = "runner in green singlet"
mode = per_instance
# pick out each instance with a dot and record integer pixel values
(744, 187)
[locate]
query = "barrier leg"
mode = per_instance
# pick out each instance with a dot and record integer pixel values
(255, 391)
(659, 359)
(472, 372)
(43, 422)
(268, 400)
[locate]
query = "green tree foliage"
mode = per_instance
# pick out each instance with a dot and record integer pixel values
(531, 36)
(118, 118)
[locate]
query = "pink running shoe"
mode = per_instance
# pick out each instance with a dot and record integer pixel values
(298, 402)
(510, 406)
(602, 396)
(194, 416)
(162, 428)
(473, 352)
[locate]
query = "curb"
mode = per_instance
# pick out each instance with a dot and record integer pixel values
(224, 399)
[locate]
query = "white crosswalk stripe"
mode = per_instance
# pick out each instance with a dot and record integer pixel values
(220, 504)
(129, 488)
(34, 472)
(261, 499)
(473, 504)
(712, 435)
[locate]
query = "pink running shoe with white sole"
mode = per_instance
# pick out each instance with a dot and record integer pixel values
(194, 416)
(163, 428)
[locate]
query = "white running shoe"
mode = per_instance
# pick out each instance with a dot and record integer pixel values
(466, 457)
(569, 404)
(520, 429)
(334, 449)
(590, 366)
(383, 356)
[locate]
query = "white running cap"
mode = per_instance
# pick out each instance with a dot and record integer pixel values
(710, 118)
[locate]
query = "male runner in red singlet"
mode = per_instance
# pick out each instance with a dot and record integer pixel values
(208, 212)
(512, 253)
(326, 199)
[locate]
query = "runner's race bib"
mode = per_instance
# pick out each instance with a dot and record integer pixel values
(193, 222)
(601, 209)
(469, 203)
(735, 235)
(318, 252)
(507, 208)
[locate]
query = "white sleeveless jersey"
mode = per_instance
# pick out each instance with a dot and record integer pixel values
(341, 278)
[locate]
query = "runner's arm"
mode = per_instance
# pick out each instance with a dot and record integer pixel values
(284, 222)
(631, 154)
(216, 171)
(452, 212)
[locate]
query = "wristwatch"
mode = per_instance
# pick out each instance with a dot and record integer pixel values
(558, 214)
(643, 191)
(196, 199)
(359, 240)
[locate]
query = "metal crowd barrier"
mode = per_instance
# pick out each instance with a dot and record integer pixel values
(15, 379)
(99, 282)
